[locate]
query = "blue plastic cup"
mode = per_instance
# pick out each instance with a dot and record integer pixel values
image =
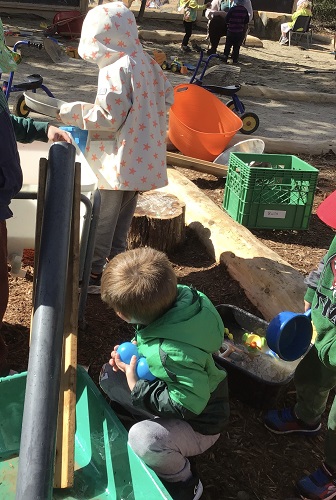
(289, 334)
(79, 135)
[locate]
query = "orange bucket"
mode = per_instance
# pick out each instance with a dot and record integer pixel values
(200, 125)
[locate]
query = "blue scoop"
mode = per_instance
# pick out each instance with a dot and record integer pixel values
(289, 334)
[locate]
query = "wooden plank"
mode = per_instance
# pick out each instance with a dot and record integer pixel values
(66, 426)
(206, 167)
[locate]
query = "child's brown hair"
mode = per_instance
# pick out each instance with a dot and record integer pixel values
(140, 284)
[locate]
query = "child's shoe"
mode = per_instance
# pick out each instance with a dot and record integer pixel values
(286, 422)
(185, 490)
(321, 485)
(283, 40)
(94, 284)
(185, 48)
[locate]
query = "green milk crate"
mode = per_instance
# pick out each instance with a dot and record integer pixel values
(278, 194)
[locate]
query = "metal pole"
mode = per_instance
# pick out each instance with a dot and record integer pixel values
(37, 448)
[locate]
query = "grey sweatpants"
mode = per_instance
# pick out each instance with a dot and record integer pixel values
(116, 212)
(163, 444)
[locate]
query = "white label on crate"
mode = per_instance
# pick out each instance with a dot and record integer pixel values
(275, 214)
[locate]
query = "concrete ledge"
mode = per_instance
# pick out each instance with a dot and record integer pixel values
(285, 95)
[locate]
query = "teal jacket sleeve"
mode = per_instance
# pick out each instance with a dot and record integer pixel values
(28, 130)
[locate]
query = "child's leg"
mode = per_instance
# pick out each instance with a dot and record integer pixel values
(238, 40)
(114, 384)
(165, 444)
(114, 205)
(313, 382)
(188, 32)
(128, 206)
(228, 45)
(330, 441)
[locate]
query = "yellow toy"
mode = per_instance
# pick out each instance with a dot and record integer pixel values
(253, 341)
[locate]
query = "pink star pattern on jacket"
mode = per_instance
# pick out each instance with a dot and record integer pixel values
(127, 123)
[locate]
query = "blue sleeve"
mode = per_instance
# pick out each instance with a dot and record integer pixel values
(10, 169)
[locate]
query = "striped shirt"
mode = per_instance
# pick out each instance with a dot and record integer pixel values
(237, 18)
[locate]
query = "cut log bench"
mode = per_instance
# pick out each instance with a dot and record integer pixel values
(158, 222)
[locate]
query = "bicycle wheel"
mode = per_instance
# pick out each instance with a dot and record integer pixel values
(250, 123)
(20, 107)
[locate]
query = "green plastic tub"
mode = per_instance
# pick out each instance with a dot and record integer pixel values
(105, 466)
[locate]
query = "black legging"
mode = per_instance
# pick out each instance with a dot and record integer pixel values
(217, 29)
(188, 26)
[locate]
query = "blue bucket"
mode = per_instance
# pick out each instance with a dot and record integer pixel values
(289, 334)
(79, 135)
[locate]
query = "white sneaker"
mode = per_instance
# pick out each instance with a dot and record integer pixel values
(283, 41)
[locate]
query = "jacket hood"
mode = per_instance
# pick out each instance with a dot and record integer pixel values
(189, 320)
(109, 33)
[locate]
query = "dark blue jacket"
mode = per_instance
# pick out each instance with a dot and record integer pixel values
(12, 129)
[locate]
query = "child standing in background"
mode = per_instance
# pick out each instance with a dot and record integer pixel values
(190, 8)
(237, 20)
(126, 124)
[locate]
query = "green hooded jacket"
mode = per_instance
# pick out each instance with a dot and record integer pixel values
(322, 296)
(178, 347)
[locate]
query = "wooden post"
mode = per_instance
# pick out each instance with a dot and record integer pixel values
(206, 167)
(158, 222)
(65, 441)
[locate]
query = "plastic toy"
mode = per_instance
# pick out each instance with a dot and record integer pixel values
(31, 82)
(250, 120)
(126, 351)
(253, 341)
(143, 371)
(289, 334)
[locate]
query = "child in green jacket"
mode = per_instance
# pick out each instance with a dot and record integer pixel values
(177, 329)
(315, 376)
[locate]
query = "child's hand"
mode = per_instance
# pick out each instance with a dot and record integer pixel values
(307, 305)
(112, 360)
(55, 134)
(129, 370)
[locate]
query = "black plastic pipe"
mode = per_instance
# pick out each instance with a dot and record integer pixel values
(37, 448)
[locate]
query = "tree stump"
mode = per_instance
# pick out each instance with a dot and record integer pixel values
(158, 222)
(268, 24)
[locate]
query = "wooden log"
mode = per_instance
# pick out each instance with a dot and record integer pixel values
(158, 222)
(270, 282)
(206, 167)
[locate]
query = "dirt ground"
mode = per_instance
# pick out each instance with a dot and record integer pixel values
(247, 462)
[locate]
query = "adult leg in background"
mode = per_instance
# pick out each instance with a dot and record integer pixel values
(217, 29)
(116, 212)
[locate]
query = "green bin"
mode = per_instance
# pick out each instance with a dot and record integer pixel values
(105, 466)
(277, 195)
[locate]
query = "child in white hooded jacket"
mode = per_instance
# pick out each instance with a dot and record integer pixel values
(126, 124)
